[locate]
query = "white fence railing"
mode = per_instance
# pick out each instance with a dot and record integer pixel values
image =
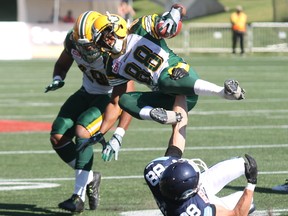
(217, 37)
(46, 40)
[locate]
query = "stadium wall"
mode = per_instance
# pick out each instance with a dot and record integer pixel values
(46, 40)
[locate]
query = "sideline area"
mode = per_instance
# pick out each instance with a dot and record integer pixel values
(7, 126)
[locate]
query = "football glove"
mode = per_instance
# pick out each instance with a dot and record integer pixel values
(178, 73)
(97, 137)
(170, 22)
(56, 84)
(232, 90)
(251, 170)
(112, 148)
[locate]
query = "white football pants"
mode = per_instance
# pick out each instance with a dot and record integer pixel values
(216, 177)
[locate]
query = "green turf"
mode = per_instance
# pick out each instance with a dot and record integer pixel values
(256, 10)
(217, 130)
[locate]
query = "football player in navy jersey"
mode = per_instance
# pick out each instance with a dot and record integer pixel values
(187, 187)
(82, 113)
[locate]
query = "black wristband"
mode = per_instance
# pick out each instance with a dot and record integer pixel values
(173, 151)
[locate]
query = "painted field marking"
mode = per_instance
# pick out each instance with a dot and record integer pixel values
(156, 212)
(4, 181)
(157, 129)
(284, 145)
(22, 185)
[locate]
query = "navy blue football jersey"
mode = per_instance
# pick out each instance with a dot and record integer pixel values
(197, 205)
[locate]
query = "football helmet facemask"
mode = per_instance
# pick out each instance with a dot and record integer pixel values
(180, 180)
(82, 36)
(109, 33)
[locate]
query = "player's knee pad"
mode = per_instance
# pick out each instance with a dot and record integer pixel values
(61, 125)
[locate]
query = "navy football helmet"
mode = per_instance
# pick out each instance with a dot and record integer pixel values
(180, 180)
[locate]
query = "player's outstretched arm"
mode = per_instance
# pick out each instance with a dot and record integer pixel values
(61, 68)
(112, 113)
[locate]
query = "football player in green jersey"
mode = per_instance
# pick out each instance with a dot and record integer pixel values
(142, 55)
(82, 113)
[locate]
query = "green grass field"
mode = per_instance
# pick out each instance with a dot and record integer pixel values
(217, 130)
(256, 10)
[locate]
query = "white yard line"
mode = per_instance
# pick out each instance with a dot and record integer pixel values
(156, 212)
(157, 129)
(261, 146)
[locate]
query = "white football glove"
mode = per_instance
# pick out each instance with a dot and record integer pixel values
(232, 90)
(112, 148)
(171, 20)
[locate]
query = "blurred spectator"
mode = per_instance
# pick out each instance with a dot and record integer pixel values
(126, 11)
(239, 22)
(68, 18)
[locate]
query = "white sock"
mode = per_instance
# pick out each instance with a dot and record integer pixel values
(205, 88)
(82, 178)
(145, 113)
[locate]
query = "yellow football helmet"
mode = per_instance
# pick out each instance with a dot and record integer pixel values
(109, 33)
(82, 36)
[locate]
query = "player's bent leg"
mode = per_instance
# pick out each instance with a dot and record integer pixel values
(61, 136)
(182, 86)
(130, 103)
(139, 104)
(65, 148)
(222, 173)
(89, 122)
(84, 162)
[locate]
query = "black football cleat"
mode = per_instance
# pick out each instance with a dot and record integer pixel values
(92, 191)
(73, 204)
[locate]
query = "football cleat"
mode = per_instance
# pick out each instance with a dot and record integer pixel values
(73, 204)
(232, 90)
(164, 116)
(92, 191)
(281, 188)
(252, 209)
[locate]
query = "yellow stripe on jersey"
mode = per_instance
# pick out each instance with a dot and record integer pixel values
(153, 27)
(94, 126)
(185, 66)
(148, 23)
